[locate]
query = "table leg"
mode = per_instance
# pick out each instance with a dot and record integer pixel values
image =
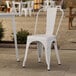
(70, 17)
(15, 38)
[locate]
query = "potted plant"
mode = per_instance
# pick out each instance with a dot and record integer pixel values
(22, 36)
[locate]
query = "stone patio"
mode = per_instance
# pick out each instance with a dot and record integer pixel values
(9, 66)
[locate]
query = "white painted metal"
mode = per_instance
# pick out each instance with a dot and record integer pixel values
(12, 16)
(46, 39)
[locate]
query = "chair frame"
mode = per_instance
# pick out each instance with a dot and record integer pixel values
(15, 9)
(24, 10)
(45, 39)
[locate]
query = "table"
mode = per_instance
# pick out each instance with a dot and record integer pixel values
(71, 16)
(12, 16)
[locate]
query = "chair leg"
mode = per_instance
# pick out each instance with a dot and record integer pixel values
(25, 56)
(39, 49)
(21, 12)
(57, 53)
(25, 12)
(47, 55)
(30, 12)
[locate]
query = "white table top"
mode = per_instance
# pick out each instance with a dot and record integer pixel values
(6, 13)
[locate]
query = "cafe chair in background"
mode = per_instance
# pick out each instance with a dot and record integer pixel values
(31, 8)
(27, 8)
(16, 8)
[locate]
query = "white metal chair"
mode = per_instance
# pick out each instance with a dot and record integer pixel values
(31, 7)
(46, 39)
(24, 9)
(28, 9)
(18, 8)
(12, 7)
(8, 5)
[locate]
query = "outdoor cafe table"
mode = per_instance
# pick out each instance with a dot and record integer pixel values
(12, 16)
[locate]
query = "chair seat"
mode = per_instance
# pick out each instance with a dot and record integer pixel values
(41, 37)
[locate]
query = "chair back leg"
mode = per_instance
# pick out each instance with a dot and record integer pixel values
(57, 53)
(40, 50)
(48, 54)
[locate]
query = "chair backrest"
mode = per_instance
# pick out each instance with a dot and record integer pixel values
(17, 8)
(24, 4)
(49, 3)
(32, 4)
(50, 19)
(13, 10)
(8, 4)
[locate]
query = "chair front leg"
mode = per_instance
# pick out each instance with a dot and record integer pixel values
(57, 53)
(48, 55)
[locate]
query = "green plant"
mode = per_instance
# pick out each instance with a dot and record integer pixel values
(1, 31)
(22, 36)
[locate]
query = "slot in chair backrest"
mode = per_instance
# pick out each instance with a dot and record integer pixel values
(50, 19)
(49, 3)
